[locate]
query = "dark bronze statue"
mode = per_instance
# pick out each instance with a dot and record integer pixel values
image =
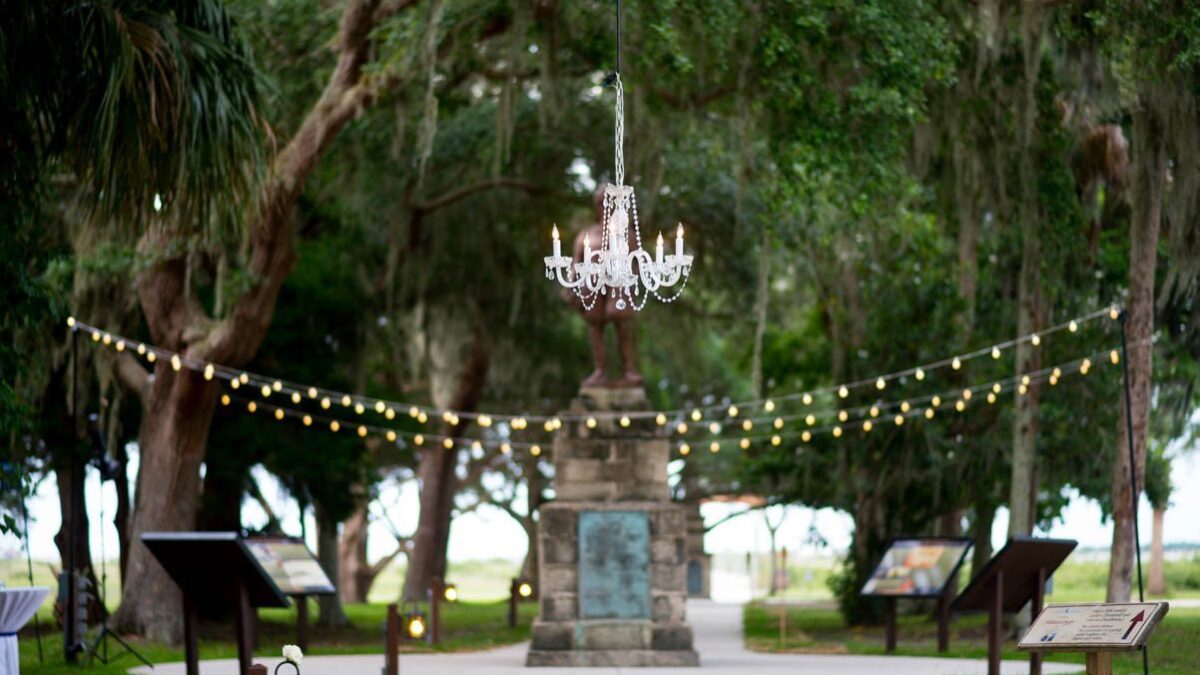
(604, 312)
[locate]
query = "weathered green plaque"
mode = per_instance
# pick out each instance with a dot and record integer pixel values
(614, 565)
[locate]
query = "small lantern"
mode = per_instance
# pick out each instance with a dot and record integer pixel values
(415, 625)
(450, 593)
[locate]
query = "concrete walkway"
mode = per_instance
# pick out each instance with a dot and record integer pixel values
(718, 630)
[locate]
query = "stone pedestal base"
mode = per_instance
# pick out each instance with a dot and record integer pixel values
(612, 549)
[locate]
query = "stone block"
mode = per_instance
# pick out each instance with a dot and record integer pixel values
(558, 523)
(667, 578)
(668, 608)
(666, 550)
(677, 636)
(559, 551)
(559, 579)
(602, 635)
(548, 636)
(601, 491)
(634, 490)
(579, 470)
(628, 658)
(560, 607)
(575, 448)
(667, 521)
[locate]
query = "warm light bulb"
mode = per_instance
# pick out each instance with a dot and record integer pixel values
(733, 411)
(346, 401)
(141, 349)
(997, 388)
(843, 415)
(391, 436)
(660, 419)
(447, 443)
(1072, 326)
(176, 364)
(899, 420)
(279, 413)
(422, 417)
(251, 406)
(1114, 357)
(312, 392)
(390, 413)
(696, 415)
(307, 420)
(120, 345)
(1023, 389)
(967, 394)
(1113, 313)
(867, 426)
(956, 363)
(747, 425)
(807, 399)
(224, 399)
(418, 440)
(362, 432)
(991, 397)
(625, 421)
(904, 406)
(535, 450)
(413, 412)
(929, 413)
(208, 372)
(295, 397)
(95, 337)
(505, 448)
(935, 401)
(334, 426)
(233, 384)
(380, 407)
(325, 403)
(920, 374)
(778, 422)
(810, 420)
(714, 428)
(680, 428)
(769, 406)
(843, 391)
(277, 385)
(1025, 380)
(714, 447)
(1053, 381)
(71, 321)
(359, 408)
(874, 411)
(744, 443)
(266, 391)
(1085, 366)
(107, 339)
(485, 421)
(837, 432)
(806, 436)
(880, 383)
(995, 352)
(684, 449)
(245, 378)
(960, 405)
(776, 440)
(1036, 339)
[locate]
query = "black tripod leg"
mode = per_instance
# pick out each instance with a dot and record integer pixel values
(127, 647)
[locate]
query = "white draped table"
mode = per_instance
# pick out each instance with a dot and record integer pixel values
(17, 607)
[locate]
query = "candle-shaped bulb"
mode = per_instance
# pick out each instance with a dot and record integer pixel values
(658, 249)
(679, 240)
(660, 240)
(557, 243)
(554, 232)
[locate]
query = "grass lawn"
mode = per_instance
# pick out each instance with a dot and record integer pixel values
(466, 626)
(1174, 649)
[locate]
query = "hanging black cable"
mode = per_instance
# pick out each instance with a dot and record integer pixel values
(1133, 474)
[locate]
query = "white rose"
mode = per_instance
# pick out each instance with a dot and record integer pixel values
(292, 653)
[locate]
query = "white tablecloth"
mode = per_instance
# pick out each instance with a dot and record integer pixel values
(17, 607)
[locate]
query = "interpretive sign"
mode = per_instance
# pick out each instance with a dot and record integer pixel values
(614, 565)
(290, 564)
(1093, 627)
(917, 568)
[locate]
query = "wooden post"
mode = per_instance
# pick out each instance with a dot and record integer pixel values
(943, 613)
(436, 586)
(1098, 663)
(890, 625)
(514, 599)
(391, 642)
(782, 624)
(191, 649)
(995, 625)
(245, 628)
(302, 622)
(1039, 599)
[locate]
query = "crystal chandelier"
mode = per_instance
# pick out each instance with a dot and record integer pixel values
(620, 268)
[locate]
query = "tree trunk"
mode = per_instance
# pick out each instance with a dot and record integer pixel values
(355, 579)
(1150, 166)
(439, 481)
(981, 536)
(174, 430)
(178, 407)
(1023, 485)
(1157, 584)
(330, 606)
(124, 507)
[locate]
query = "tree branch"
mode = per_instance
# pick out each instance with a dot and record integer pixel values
(133, 376)
(453, 196)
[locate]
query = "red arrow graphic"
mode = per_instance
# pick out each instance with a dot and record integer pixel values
(1141, 616)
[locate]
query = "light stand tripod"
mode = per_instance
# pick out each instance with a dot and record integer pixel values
(106, 470)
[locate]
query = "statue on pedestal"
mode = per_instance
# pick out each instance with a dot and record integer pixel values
(604, 312)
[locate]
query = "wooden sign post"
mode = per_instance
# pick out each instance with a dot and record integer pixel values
(1097, 630)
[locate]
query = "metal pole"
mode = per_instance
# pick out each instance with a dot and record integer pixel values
(69, 636)
(1133, 485)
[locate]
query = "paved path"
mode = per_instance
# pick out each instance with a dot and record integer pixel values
(718, 636)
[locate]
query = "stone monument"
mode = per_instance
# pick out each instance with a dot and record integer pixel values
(612, 548)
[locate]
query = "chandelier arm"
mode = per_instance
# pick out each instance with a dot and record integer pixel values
(567, 282)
